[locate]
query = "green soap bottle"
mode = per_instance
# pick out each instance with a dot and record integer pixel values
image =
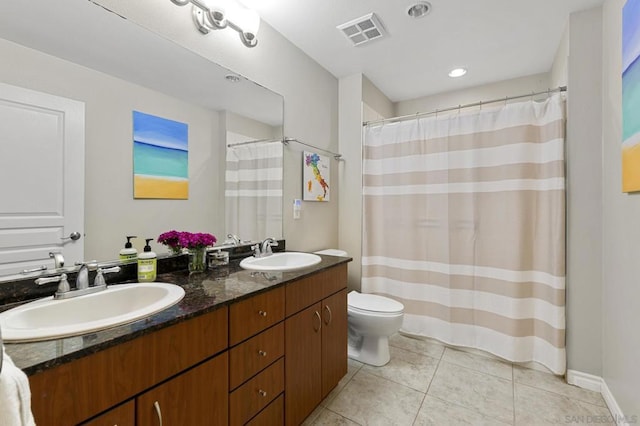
(128, 254)
(147, 264)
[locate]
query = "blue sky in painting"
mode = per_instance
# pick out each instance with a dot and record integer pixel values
(630, 33)
(158, 131)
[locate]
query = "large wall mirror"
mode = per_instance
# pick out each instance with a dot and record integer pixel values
(78, 50)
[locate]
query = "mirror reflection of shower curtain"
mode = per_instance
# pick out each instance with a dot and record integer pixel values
(464, 223)
(253, 190)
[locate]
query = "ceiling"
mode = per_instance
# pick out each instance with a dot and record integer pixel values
(87, 34)
(494, 39)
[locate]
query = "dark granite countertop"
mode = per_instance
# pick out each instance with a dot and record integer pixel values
(204, 292)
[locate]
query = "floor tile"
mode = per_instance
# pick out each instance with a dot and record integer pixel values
(328, 418)
(352, 368)
(371, 400)
(425, 346)
(407, 368)
(536, 406)
(489, 395)
(480, 363)
(436, 412)
(556, 384)
(313, 416)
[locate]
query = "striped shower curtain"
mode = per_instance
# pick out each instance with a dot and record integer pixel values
(464, 223)
(253, 190)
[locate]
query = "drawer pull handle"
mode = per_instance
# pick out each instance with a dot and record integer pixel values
(262, 313)
(156, 405)
(328, 309)
(262, 393)
(317, 315)
(262, 353)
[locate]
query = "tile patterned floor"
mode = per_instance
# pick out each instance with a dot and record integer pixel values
(426, 383)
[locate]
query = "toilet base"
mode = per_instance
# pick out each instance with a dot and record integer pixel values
(372, 350)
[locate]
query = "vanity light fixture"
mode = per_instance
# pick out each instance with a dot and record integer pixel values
(457, 72)
(219, 14)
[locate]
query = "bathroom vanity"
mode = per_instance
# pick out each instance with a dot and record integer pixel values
(241, 348)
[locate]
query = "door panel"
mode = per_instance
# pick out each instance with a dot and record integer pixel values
(42, 170)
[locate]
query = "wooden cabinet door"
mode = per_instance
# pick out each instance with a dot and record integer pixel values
(273, 415)
(303, 376)
(199, 396)
(334, 340)
(122, 415)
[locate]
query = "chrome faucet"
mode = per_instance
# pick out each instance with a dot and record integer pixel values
(267, 244)
(82, 279)
(82, 282)
(58, 259)
(234, 238)
(264, 248)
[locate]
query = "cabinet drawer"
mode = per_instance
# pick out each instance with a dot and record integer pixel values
(248, 358)
(270, 416)
(251, 316)
(246, 401)
(307, 291)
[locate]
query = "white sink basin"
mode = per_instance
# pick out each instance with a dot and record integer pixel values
(284, 261)
(47, 318)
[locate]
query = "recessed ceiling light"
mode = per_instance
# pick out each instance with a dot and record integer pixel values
(457, 72)
(419, 9)
(232, 78)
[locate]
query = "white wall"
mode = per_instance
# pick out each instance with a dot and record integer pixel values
(350, 131)
(110, 211)
(584, 193)
(513, 87)
(310, 96)
(621, 235)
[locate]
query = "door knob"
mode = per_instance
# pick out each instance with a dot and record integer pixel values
(72, 236)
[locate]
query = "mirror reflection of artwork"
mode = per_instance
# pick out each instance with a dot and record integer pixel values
(631, 96)
(316, 169)
(160, 158)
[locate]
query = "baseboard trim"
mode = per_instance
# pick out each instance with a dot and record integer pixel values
(585, 380)
(597, 384)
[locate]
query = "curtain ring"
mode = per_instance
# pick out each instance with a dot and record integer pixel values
(480, 103)
(459, 107)
(436, 113)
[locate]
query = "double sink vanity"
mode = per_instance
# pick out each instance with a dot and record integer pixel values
(261, 346)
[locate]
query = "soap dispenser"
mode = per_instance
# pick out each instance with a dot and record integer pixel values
(128, 254)
(147, 264)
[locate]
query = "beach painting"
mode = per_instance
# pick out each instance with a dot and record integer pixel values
(631, 96)
(160, 158)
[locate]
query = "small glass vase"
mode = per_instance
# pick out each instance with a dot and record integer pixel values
(197, 260)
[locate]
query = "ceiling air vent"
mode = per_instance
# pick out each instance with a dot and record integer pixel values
(363, 30)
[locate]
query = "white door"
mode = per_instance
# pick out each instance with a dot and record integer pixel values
(41, 178)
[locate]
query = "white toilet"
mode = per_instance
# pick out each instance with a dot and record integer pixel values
(372, 319)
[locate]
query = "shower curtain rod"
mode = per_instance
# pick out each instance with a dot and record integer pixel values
(231, 145)
(335, 155)
(475, 104)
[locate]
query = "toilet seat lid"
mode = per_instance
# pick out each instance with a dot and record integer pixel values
(373, 303)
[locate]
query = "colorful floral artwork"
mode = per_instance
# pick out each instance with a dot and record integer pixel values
(631, 96)
(160, 158)
(315, 173)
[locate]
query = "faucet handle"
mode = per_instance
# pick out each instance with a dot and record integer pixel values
(256, 250)
(99, 279)
(63, 287)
